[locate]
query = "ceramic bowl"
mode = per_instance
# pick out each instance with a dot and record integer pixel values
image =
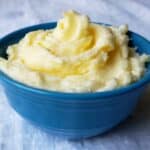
(72, 115)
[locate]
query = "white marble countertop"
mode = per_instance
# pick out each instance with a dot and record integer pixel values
(133, 134)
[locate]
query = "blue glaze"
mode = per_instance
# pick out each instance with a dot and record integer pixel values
(73, 115)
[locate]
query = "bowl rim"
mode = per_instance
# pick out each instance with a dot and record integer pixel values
(71, 95)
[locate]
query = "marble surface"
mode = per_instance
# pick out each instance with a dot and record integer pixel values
(17, 134)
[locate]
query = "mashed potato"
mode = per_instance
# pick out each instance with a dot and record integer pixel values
(76, 56)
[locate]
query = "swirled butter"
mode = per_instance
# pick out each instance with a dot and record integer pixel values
(75, 56)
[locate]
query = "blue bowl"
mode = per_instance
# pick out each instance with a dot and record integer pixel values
(72, 115)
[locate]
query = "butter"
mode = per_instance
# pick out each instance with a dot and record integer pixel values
(75, 56)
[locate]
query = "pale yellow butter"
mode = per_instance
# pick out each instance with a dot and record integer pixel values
(76, 56)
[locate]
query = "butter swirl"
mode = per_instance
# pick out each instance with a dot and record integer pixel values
(76, 56)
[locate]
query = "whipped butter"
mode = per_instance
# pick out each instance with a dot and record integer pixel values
(75, 56)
